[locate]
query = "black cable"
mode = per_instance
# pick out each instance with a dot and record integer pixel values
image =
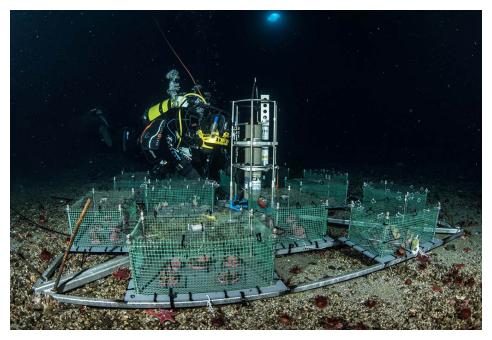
(37, 224)
(28, 263)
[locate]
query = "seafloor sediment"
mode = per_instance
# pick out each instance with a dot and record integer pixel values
(443, 293)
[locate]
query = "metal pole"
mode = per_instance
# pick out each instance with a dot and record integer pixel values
(346, 189)
(288, 197)
(251, 232)
(143, 224)
(329, 187)
(69, 220)
(437, 218)
(70, 243)
(274, 148)
(250, 191)
(233, 136)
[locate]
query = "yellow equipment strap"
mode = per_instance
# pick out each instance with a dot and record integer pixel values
(180, 128)
(191, 94)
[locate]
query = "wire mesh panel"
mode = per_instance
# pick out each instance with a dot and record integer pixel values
(197, 255)
(333, 187)
(111, 216)
(129, 180)
(296, 197)
(224, 181)
(383, 200)
(286, 198)
(421, 224)
(384, 233)
(381, 233)
(338, 189)
(416, 200)
(135, 181)
(316, 173)
(180, 182)
(180, 200)
(298, 224)
(386, 197)
(316, 187)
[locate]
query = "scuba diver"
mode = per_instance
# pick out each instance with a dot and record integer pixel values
(182, 133)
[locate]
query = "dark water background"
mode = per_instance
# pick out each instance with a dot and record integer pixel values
(369, 89)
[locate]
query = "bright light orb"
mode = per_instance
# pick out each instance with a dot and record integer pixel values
(273, 17)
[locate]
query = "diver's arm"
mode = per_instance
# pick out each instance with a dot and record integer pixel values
(181, 160)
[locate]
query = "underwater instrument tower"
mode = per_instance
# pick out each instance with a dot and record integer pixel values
(253, 161)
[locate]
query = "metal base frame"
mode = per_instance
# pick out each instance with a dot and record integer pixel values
(99, 250)
(305, 245)
(72, 281)
(425, 246)
(172, 300)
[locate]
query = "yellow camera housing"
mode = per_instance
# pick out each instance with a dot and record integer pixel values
(209, 141)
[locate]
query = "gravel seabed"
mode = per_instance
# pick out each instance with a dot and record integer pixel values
(407, 296)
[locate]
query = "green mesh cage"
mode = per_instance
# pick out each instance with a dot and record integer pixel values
(384, 233)
(179, 182)
(289, 197)
(386, 197)
(297, 224)
(316, 173)
(297, 217)
(197, 255)
(338, 189)
(135, 181)
(422, 223)
(179, 199)
(224, 181)
(334, 187)
(111, 216)
(416, 201)
(129, 180)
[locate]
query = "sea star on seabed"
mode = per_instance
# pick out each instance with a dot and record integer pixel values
(162, 314)
(122, 274)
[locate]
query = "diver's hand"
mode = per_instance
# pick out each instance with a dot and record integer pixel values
(160, 170)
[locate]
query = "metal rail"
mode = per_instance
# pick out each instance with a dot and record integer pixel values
(75, 280)
(445, 229)
(78, 279)
(113, 303)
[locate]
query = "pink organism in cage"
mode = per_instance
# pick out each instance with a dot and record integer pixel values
(115, 234)
(201, 262)
(94, 235)
(175, 263)
(291, 219)
(168, 278)
(229, 277)
(298, 231)
(231, 261)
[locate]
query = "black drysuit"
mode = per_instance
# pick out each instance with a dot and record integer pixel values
(159, 142)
